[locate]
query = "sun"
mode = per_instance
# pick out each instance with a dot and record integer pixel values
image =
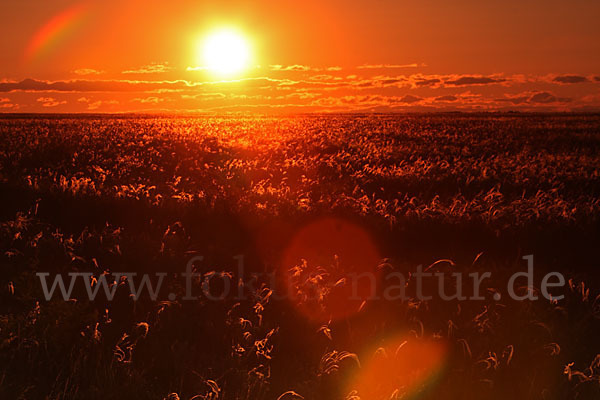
(226, 52)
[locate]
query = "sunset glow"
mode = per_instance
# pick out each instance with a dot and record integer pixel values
(288, 57)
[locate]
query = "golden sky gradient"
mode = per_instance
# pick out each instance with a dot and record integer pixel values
(313, 56)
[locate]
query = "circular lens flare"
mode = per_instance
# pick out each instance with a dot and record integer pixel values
(402, 366)
(226, 52)
(337, 275)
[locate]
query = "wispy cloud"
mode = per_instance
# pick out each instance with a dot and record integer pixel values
(295, 67)
(149, 100)
(447, 98)
(302, 68)
(409, 99)
(474, 80)
(50, 101)
(366, 101)
(7, 104)
(310, 88)
(96, 104)
(145, 86)
(534, 98)
(419, 80)
(204, 96)
(87, 71)
(199, 68)
(34, 85)
(416, 81)
(567, 79)
(389, 66)
(153, 68)
(547, 98)
(515, 100)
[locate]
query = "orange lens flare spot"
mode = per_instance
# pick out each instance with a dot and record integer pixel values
(405, 366)
(338, 273)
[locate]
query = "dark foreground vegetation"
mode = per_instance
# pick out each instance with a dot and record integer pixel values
(308, 200)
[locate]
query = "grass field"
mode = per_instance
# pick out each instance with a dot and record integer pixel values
(308, 200)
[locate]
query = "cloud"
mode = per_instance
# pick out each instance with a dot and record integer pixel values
(409, 99)
(597, 78)
(325, 77)
(302, 68)
(547, 98)
(50, 101)
(204, 96)
(151, 100)
(390, 81)
(5, 103)
(145, 86)
(446, 98)
(513, 99)
(94, 105)
(97, 104)
(322, 81)
(33, 85)
(591, 98)
(197, 68)
(365, 89)
(389, 66)
(421, 81)
(474, 80)
(87, 71)
(358, 102)
(153, 68)
(295, 67)
(299, 95)
(375, 82)
(535, 98)
(566, 79)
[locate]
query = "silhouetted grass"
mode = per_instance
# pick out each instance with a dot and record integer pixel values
(144, 194)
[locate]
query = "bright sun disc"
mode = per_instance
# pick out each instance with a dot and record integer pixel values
(226, 52)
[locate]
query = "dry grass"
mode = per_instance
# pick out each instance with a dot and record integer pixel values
(104, 194)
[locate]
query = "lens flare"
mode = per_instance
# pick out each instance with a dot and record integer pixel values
(337, 275)
(56, 30)
(404, 366)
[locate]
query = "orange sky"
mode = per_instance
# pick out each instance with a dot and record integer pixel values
(352, 55)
